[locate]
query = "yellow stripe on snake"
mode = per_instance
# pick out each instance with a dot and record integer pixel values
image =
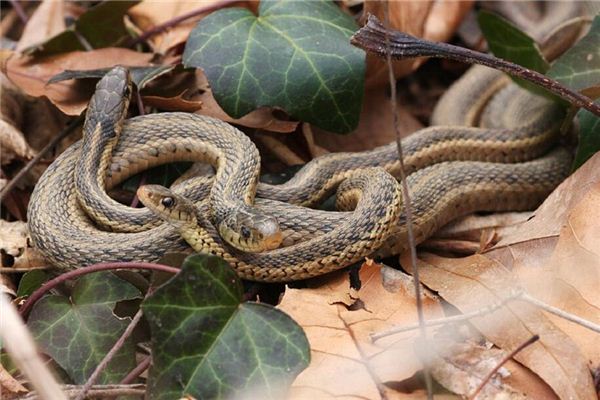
(494, 175)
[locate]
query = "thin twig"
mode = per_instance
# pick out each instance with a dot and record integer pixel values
(407, 205)
(510, 355)
(137, 371)
(97, 391)
(35, 296)
(19, 343)
(563, 314)
(448, 320)
(55, 140)
(20, 11)
(110, 355)
(373, 36)
(177, 20)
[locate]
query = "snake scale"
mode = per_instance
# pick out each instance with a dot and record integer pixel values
(515, 126)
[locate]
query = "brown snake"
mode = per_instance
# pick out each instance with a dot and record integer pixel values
(318, 241)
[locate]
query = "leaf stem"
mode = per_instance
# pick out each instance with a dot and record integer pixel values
(372, 38)
(110, 355)
(137, 371)
(20, 11)
(510, 355)
(35, 296)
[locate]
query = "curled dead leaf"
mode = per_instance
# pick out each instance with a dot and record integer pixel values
(13, 144)
(14, 246)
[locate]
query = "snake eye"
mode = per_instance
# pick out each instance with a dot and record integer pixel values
(168, 202)
(245, 231)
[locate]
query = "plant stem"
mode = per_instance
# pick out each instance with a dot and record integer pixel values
(510, 355)
(372, 38)
(407, 203)
(35, 296)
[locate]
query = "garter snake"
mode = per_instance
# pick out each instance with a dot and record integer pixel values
(61, 229)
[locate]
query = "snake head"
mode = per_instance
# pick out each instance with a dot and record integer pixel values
(251, 231)
(172, 208)
(108, 106)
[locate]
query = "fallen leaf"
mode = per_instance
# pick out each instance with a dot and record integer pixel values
(31, 75)
(177, 103)
(10, 384)
(13, 144)
(47, 20)
(149, 14)
(475, 282)
(461, 367)
(339, 334)
(417, 18)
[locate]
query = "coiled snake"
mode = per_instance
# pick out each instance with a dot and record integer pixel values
(516, 126)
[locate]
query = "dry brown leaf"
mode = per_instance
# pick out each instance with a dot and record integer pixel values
(46, 21)
(413, 17)
(149, 14)
(460, 368)
(13, 144)
(535, 239)
(474, 282)
(568, 275)
(177, 103)
(9, 384)
(344, 361)
(71, 97)
(375, 127)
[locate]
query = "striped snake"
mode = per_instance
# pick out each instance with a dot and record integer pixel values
(516, 127)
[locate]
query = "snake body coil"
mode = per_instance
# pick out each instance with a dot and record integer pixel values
(63, 232)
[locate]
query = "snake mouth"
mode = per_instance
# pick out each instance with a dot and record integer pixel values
(273, 241)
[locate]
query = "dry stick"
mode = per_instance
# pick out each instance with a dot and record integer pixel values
(110, 355)
(19, 343)
(372, 38)
(407, 206)
(558, 312)
(137, 371)
(20, 11)
(55, 140)
(510, 355)
(448, 320)
(35, 296)
(177, 20)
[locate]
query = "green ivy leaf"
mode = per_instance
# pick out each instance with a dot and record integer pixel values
(589, 137)
(579, 67)
(295, 55)
(77, 332)
(100, 26)
(510, 43)
(31, 281)
(207, 344)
